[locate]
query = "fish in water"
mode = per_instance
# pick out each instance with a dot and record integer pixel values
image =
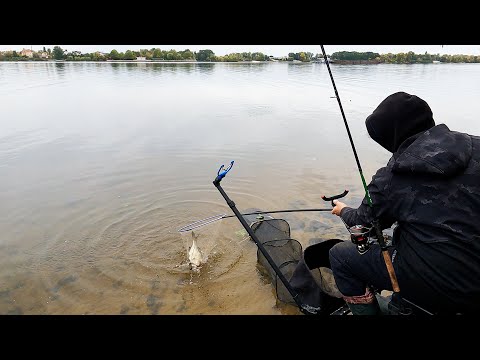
(194, 254)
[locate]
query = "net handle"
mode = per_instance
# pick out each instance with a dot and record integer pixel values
(214, 218)
(202, 222)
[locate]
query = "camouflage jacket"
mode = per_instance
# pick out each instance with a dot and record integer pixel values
(431, 188)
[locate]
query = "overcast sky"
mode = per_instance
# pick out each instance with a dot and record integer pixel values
(275, 50)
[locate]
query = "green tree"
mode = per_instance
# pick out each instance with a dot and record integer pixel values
(114, 55)
(58, 53)
(157, 53)
(187, 55)
(233, 57)
(205, 55)
(354, 55)
(246, 56)
(411, 57)
(129, 55)
(258, 56)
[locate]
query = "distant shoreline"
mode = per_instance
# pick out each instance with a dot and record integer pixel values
(337, 62)
(156, 55)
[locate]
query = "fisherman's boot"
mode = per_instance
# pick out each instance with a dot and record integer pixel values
(363, 304)
(365, 309)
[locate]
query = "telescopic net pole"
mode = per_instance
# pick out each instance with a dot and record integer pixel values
(267, 256)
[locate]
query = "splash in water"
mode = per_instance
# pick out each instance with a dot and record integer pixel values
(194, 254)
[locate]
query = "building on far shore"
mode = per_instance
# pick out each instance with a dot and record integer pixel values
(141, 58)
(27, 53)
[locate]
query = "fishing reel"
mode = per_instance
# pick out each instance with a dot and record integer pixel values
(359, 234)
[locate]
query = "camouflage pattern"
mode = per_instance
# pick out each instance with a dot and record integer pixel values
(431, 188)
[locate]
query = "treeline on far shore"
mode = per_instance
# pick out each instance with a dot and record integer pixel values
(400, 58)
(155, 54)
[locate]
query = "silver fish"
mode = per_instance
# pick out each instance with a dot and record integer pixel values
(194, 254)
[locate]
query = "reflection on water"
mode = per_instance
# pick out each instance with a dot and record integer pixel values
(101, 163)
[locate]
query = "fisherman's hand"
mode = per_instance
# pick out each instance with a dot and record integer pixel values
(338, 207)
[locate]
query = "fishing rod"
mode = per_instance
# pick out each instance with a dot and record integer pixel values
(214, 218)
(375, 222)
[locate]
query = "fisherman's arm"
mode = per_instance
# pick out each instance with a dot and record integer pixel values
(364, 214)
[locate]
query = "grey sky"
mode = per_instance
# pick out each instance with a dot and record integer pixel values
(275, 50)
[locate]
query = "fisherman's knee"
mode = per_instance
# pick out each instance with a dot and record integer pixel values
(341, 253)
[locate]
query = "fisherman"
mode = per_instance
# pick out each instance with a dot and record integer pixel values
(431, 188)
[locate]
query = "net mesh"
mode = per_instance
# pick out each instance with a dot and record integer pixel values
(285, 252)
(304, 270)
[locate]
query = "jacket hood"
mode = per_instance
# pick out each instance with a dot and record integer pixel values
(398, 117)
(437, 151)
